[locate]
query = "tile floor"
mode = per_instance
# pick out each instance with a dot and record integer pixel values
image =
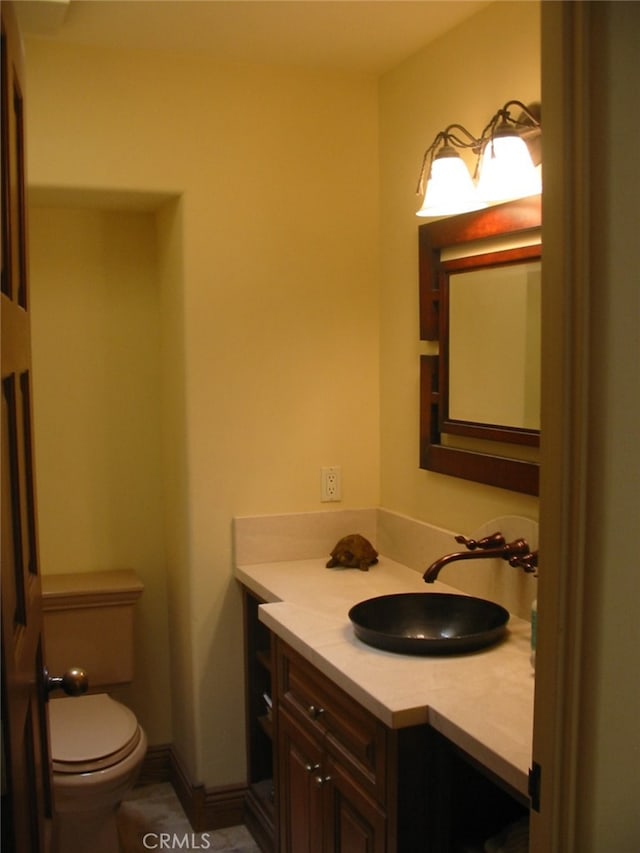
(151, 818)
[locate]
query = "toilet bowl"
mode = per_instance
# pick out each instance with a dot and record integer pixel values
(97, 749)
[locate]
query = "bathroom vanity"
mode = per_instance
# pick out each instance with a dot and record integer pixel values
(366, 750)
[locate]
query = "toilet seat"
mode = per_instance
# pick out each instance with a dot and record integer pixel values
(90, 733)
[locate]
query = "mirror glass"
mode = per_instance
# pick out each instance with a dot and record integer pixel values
(494, 346)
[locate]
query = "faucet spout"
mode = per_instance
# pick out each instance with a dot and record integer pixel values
(509, 551)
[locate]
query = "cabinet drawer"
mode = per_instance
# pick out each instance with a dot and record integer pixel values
(348, 731)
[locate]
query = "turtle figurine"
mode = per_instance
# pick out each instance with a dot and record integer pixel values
(353, 552)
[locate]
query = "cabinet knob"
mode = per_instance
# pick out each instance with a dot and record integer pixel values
(322, 780)
(315, 711)
(311, 768)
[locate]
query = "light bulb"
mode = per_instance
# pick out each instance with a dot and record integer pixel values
(507, 170)
(449, 188)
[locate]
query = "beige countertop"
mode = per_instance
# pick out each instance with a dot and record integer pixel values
(483, 702)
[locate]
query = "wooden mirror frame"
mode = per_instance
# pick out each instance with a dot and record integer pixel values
(511, 219)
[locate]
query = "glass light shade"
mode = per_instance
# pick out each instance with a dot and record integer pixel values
(507, 170)
(450, 189)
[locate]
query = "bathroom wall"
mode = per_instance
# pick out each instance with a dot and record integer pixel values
(463, 77)
(261, 188)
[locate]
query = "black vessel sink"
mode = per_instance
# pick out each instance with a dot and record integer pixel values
(428, 623)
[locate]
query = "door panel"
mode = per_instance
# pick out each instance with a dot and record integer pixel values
(27, 804)
(300, 758)
(353, 822)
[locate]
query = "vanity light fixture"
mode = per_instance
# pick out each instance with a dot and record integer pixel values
(507, 164)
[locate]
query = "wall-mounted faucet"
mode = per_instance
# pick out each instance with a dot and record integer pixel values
(516, 553)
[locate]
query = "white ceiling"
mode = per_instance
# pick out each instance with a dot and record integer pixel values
(369, 36)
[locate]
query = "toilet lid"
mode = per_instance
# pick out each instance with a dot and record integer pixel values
(90, 733)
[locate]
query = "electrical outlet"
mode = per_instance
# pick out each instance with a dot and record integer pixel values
(331, 483)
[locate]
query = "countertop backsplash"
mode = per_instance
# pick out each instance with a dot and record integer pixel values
(415, 544)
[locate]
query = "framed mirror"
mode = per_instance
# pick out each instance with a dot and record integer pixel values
(480, 301)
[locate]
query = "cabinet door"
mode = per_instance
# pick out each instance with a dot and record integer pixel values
(353, 822)
(300, 788)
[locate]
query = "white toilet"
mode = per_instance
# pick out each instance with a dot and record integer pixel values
(97, 745)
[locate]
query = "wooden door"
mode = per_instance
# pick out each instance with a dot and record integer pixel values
(26, 798)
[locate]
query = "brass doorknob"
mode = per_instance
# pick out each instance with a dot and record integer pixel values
(74, 682)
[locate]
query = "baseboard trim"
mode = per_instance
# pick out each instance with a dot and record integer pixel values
(156, 766)
(206, 808)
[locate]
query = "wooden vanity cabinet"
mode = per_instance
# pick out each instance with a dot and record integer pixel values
(321, 808)
(338, 781)
(325, 775)
(331, 761)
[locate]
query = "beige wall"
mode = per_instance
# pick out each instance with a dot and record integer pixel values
(463, 77)
(266, 188)
(267, 274)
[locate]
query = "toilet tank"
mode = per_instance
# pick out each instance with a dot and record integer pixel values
(88, 622)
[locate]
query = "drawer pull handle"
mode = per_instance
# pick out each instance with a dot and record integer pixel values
(310, 768)
(315, 711)
(322, 780)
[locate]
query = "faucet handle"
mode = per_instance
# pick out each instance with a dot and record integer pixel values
(526, 562)
(496, 540)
